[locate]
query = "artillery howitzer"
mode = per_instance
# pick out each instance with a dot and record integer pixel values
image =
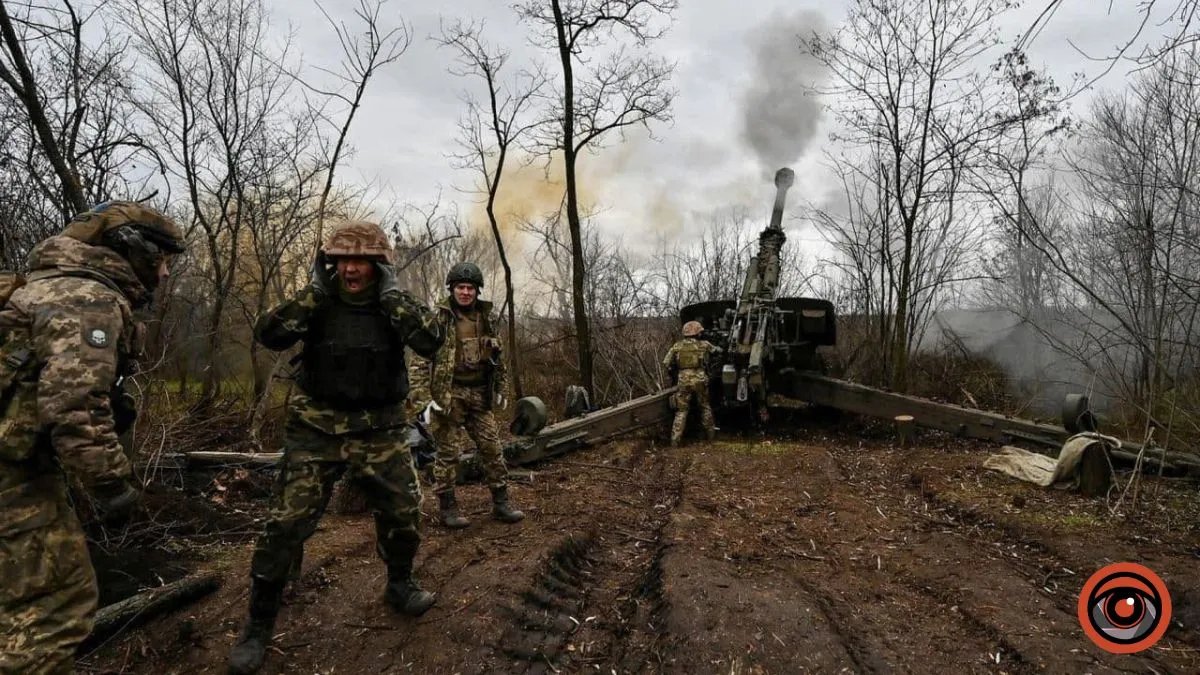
(770, 348)
(767, 340)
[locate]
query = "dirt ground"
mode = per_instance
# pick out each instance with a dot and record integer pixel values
(828, 551)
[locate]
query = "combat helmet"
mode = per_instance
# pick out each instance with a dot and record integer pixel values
(465, 272)
(359, 239)
(136, 232)
(692, 329)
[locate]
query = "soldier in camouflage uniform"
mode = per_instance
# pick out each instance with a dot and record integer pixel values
(467, 379)
(689, 359)
(67, 338)
(348, 415)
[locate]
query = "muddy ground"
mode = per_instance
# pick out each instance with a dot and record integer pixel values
(829, 552)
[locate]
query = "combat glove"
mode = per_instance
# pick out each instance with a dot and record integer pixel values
(116, 501)
(427, 414)
(320, 284)
(501, 401)
(125, 412)
(392, 294)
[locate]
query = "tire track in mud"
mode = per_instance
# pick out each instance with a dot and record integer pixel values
(544, 619)
(597, 597)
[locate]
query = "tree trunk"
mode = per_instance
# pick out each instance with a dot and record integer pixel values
(583, 337)
(514, 361)
(212, 381)
(900, 329)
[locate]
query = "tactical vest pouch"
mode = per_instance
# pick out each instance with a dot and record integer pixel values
(472, 353)
(691, 357)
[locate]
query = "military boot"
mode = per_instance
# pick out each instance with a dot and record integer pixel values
(248, 654)
(449, 511)
(501, 509)
(403, 593)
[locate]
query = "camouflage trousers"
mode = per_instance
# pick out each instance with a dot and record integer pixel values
(469, 410)
(693, 384)
(48, 590)
(378, 462)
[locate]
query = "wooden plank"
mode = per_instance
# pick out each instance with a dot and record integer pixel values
(232, 458)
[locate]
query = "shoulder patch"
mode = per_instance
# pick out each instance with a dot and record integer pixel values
(96, 337)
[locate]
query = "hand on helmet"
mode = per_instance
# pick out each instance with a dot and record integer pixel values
(392, 294)
(321, 283)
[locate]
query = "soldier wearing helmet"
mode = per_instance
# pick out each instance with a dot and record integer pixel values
(467, 380)
(348, 417)
(688, 359)
(67, 338)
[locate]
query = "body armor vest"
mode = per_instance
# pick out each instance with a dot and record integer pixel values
(691, 355)
(470, 355)
(353, 358)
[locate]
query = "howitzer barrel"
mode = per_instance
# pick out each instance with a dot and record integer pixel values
(784, 179)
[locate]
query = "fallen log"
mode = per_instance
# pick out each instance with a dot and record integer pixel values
(212, 458)
(136, 610)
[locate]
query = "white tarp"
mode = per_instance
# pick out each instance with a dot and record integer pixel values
(1039, 469)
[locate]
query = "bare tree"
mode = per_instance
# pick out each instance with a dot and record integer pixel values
(1032, 100)
(1180, 17)
(630, 332)
(216, 103)
(488, 132)
(67, 123)
(17, 73)
(364, 52)
(912, 120)
(603, 88)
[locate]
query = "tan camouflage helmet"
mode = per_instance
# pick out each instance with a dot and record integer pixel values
(90, 226)
(359, 239)
(692, 329)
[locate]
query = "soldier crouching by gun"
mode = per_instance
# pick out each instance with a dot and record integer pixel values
(349, 415)
(689, 359)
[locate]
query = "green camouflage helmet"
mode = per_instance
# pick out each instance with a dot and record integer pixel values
(465, 272)
(91, 226)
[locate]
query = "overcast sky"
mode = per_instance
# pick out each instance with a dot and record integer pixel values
(701, 161)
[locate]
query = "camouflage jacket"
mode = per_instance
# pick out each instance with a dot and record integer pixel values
(74, 319)
(418, 382)
(288, 323)
(690, 354)
(441, 368)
